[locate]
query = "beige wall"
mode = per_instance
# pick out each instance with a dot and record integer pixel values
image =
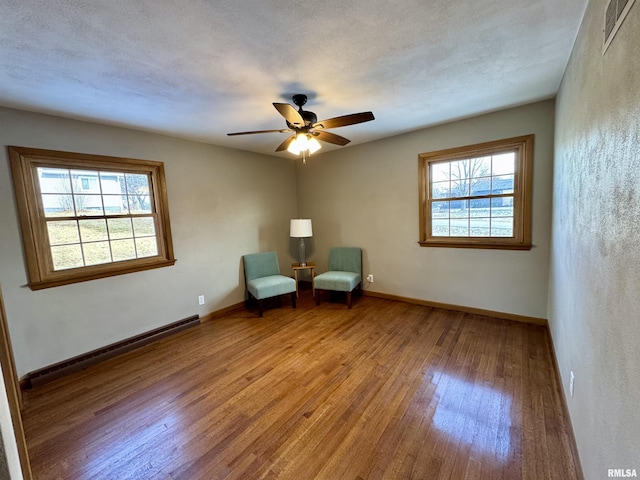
(594, 307)
(367, 196)
(223, 204)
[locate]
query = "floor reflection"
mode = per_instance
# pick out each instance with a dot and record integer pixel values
(131, 438)
(474, 414)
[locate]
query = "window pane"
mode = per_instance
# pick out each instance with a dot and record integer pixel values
(93, 230)
(502, 207)
(440, 227)
(502, 227)
(143, 227)
(460, 170)
(116, 204)
(440, 172)
(146, 247)
(66, 256)
(480, 227)
(120, 228)
(480, 167)
(96, 253)
(63, 232)
(58, 205)
(54, 180)
(460, 209)
(460, 188)
(481, 186)
(88, 205)
(441, 190)
(85, 181)
(460, 228)
(503, 164)
(112, 183)
(440, 209)
(502, 184)
(137, 184)
(479, 207)
(140, 204)
(123, 250)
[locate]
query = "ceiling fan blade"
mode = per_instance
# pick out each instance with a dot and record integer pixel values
(345, 120)
(258, 131)
(290, 114)
(284, 145)
(331, 138)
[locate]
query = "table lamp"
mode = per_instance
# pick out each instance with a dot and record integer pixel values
(301, 228)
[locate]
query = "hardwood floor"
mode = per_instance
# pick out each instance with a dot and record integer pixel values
(387, 390)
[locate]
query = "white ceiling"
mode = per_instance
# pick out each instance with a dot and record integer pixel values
(199, 69)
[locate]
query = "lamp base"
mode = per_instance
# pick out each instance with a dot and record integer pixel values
(301, 253)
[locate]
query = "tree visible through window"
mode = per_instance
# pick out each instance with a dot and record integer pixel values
(86, 217)
(477, 196)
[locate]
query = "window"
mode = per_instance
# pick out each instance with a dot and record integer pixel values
(477, 196)
(86, 216)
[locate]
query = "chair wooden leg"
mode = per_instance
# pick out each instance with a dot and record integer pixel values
(317, 297)
(261, 307)
(293, 299)
(349, 300)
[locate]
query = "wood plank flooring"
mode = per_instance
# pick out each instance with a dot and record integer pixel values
(387, 390)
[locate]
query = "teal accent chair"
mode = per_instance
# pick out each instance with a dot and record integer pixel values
(344, 275)
(263, 279)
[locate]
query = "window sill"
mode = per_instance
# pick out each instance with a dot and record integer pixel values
(104, 273)
(482, 245)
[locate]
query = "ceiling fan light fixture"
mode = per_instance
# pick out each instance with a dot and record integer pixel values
(303, 143)
(294, 148)
(314, 145)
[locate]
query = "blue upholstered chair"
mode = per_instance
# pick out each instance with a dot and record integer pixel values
(345, 272)
(263, 279)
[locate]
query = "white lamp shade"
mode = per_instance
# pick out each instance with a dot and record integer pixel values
(301, 227)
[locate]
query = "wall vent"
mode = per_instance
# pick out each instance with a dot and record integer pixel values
(613, 17)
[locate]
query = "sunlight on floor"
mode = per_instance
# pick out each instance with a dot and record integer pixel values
(475, 415)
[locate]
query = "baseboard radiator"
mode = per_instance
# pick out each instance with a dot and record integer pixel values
(57, 370)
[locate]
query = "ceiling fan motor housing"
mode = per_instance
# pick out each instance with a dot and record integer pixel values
(309, 119)
(299, 99)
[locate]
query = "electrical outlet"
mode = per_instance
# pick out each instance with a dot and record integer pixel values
(370, 278)
(571, 379)
(200, 299)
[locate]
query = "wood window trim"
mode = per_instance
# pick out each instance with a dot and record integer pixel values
(523, 185)
(24, 162)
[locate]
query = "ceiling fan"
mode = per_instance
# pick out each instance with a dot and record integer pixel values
(307, 130)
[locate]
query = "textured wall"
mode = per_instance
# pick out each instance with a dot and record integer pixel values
(9, 458)
(594, 307)
(223, 203)
(4, 467)
(368, 196)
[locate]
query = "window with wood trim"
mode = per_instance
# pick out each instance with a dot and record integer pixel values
(87, 216)
(477, 196)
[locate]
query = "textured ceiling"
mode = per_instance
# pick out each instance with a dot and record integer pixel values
(199, 69)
